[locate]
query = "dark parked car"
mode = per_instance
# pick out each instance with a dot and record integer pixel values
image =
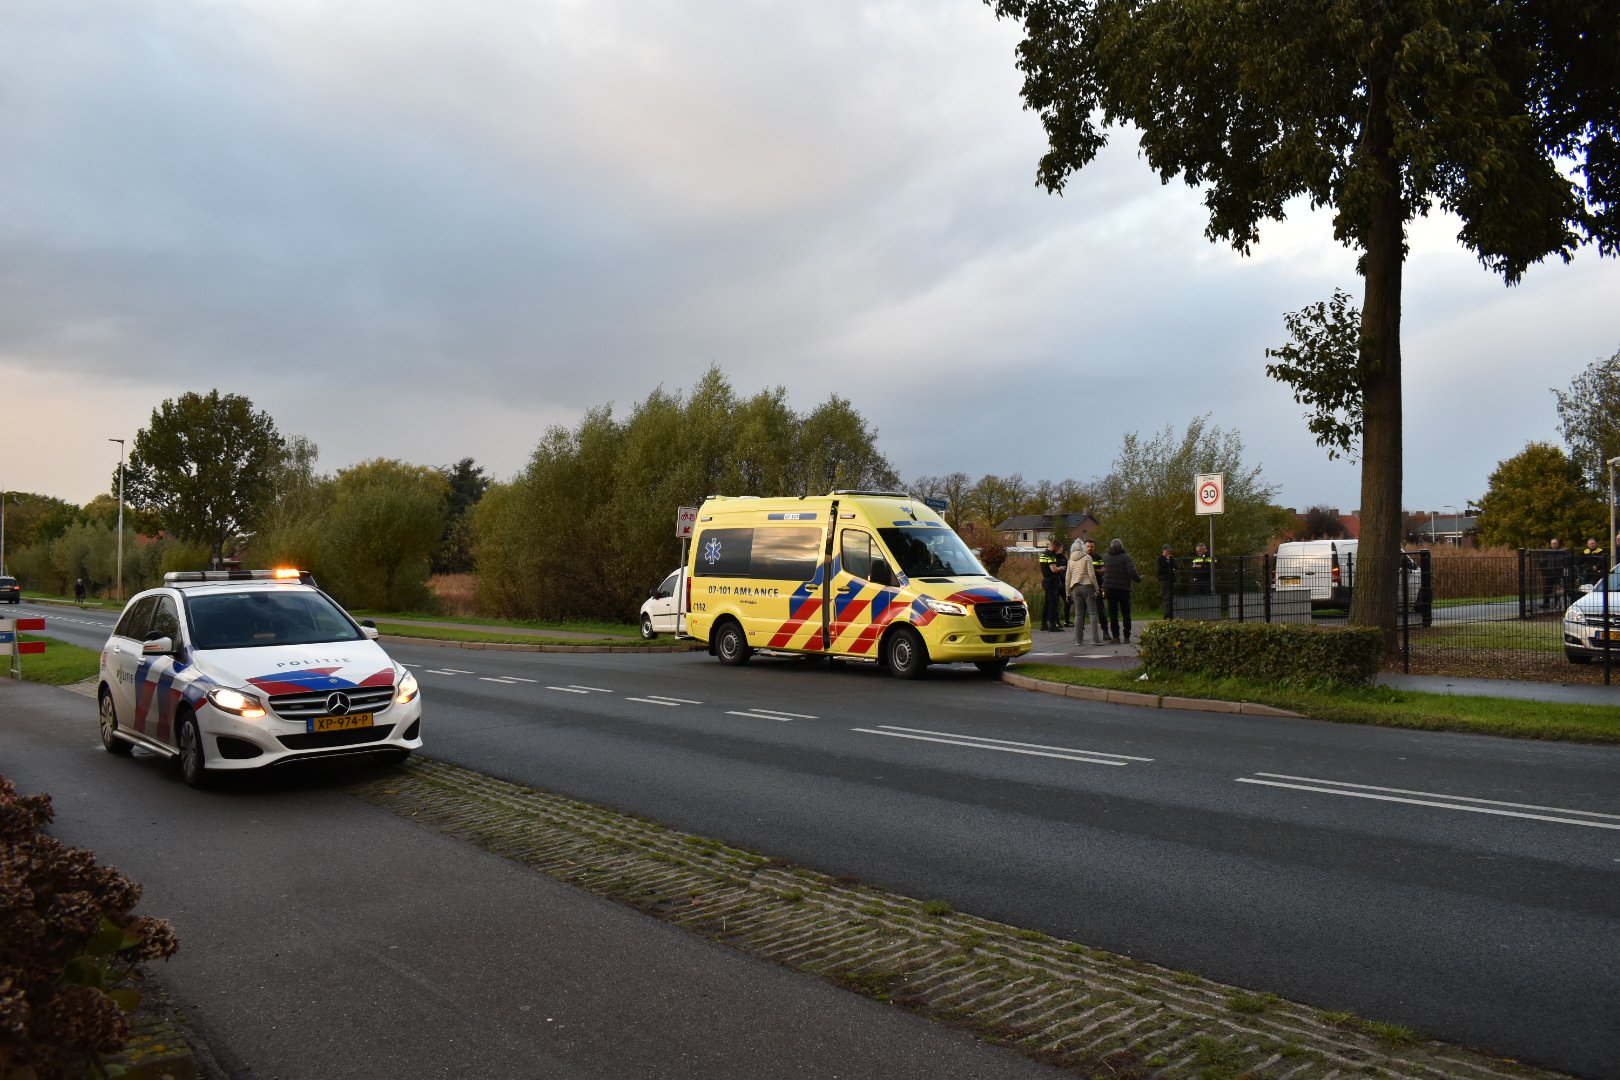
(10, 591)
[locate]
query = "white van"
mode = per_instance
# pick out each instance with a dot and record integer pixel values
(1328, 569)
(659, 615)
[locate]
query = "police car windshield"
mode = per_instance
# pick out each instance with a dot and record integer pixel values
(250, 620)
(931, 552)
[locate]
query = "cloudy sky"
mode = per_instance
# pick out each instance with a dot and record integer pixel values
(427, 231)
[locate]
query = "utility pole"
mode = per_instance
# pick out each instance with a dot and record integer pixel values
(120, 586)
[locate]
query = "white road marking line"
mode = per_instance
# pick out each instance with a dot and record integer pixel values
(568, 689)
(676, 700)
(1439, 805)
(1439, 795)
(503, 682)
(652, 701)
(590, 689)
(790, 715)
(519, 678)
(759, 716)
(451, 671)
(1009, 742)
(986, 746)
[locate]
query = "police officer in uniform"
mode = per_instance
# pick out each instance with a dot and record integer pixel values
(1203, 571)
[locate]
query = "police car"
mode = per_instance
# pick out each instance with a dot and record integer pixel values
(242, 669)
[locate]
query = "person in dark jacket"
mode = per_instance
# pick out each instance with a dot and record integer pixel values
(1119, 574)
(1053, 570)
(1167, 581)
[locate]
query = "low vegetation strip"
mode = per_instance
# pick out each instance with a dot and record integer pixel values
(1088, 1011)
(1378, 705)
(532, 642)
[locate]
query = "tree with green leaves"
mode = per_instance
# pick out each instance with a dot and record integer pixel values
(1321, 363)
(204, 466)
(467, 485)
(1536, 495)
(1504, 114)
(1147, 500)
(1589, 416)
(384, 524)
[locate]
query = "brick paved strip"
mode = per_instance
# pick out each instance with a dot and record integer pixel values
(1083, 1009)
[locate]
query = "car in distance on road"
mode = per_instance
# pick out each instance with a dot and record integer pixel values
(10, 591)
(244, 669)
(1588, 632)
(659, 612)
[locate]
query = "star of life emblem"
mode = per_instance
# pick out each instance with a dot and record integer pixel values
(711, 551)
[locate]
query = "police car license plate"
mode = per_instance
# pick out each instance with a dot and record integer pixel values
(340, 723)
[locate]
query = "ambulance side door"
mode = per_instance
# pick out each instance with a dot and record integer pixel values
(861, 595)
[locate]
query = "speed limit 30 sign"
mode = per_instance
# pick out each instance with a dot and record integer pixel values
(1209, 491)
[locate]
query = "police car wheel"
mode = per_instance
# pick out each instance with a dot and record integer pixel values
(647, 633)
(109, 724)
(907, 655)
(730, 645)
(192, 767)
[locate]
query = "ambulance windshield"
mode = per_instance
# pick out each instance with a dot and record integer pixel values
(924, 551)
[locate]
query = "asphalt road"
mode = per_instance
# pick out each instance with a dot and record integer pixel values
(1466, 887)
(323, 937)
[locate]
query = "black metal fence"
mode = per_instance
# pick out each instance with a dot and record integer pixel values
(1541, 614)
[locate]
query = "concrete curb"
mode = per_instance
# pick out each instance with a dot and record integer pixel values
(1150, 701)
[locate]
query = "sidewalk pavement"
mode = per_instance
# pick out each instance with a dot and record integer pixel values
(1059, 648)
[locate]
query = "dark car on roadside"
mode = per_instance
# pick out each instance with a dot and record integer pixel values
(10, 591)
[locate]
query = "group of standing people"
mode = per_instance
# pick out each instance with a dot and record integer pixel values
(1086, 587)
(1562, 570)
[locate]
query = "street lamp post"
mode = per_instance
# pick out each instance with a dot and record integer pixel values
(120, 586)
(4, 495)
(1455, 526)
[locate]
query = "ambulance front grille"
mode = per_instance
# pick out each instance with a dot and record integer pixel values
(1003, 616)
(361, 699)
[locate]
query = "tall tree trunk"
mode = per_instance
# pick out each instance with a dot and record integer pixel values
(1377, 567)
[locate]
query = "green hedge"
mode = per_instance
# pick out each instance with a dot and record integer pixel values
(1283, 651)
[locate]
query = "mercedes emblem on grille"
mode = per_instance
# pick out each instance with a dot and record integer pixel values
(337, 704)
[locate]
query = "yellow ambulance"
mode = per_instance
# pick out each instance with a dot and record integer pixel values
(864, 575)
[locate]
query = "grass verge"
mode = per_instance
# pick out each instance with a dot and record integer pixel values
(605, 629)
(495, 637)
(1379, 705)
(60, 664)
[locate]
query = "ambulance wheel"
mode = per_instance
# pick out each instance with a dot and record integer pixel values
(109, 724)
(647, 632)
(992, 668)
(193, 768)
(731, 646)
(906, 654)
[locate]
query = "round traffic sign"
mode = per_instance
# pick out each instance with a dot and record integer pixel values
(1209, 494)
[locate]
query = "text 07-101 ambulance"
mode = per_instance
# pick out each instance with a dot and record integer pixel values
(866, 575)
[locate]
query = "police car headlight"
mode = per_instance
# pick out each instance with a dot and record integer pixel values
(235, 702)
(1574, 615)
(943, 607)
(407, 689)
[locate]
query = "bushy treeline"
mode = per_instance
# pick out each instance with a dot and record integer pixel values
(589, 524)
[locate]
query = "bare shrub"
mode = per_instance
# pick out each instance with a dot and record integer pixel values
(457, 594)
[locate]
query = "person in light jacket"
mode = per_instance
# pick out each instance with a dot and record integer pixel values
(1082, 583)
(1119, 574)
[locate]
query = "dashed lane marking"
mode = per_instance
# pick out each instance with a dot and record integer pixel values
(503, 682)
(653, 701)
(757, 715)
(1555, 814)
(978, 742)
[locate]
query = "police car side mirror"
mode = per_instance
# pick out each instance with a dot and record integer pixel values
(369, 629)
(158, 646)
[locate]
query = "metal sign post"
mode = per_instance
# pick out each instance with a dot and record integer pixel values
(1209, 499)
(685, 519)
